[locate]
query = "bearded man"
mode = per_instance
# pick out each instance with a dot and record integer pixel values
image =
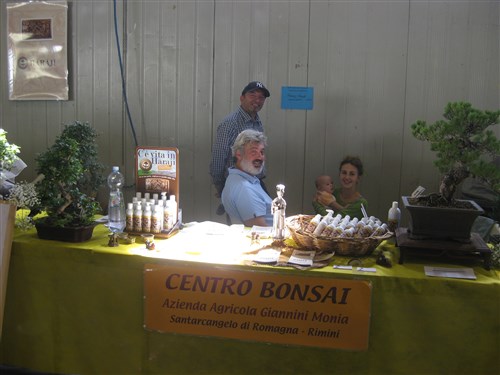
(243, 197)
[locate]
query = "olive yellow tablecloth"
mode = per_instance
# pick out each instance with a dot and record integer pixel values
(78, 309)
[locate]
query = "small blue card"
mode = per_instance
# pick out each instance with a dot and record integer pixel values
(297, 97)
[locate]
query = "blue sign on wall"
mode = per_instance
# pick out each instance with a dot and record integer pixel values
(296, 97)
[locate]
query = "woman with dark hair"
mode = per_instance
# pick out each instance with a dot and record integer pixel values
(350, 172)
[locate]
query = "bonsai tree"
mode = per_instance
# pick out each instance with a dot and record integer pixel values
(465, 146)
(72, 175)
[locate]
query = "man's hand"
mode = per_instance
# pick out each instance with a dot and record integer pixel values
(258, 221)
(218, 190)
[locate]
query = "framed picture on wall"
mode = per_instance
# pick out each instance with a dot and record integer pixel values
(37, 50)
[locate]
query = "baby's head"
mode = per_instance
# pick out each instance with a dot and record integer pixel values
(324, 183)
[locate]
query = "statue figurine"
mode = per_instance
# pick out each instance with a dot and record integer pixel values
(278, 210)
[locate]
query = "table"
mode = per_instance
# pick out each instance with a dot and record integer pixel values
(78, 308)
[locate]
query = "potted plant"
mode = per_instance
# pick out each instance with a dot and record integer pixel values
(465, 146)
(72, 175)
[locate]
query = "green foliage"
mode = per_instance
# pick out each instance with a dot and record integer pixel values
(8, 151)
(495, 255)
(464, 145)
(72, 175)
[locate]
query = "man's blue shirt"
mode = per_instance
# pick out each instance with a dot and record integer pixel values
(244, 199)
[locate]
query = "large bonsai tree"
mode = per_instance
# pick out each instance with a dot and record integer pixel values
(72, 175)
(464, 144)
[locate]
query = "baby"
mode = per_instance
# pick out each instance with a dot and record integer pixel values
(324, 199)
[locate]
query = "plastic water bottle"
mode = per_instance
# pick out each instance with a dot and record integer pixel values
(116, 206)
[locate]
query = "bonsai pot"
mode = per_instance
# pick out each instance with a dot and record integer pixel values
(65, 234)
(441, 223)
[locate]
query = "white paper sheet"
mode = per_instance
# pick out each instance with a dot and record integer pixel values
(303, 258)
(267, 256)
(455, 273)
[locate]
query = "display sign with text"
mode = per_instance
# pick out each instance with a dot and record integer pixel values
(297, 97)
(37, 50)
(157, 170)
(259, 306)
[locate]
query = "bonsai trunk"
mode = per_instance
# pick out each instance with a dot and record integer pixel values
(67, 197)
(451, 180)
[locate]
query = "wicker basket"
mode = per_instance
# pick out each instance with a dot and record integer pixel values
(341, 245)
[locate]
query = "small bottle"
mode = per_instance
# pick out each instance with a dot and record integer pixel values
(337, 219)
(116, 204)
(328, 231)
(167, 221)
(138, 195)
(352, 223)
(130, 217)
(393, 217)
(156, 219)
(173, 209)
(313, 223)
(138, 217)
(155, 197)
(160, 213)
(146, 219)
(278, 209)
(323, 223)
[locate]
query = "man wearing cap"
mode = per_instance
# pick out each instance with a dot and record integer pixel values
(246, 116)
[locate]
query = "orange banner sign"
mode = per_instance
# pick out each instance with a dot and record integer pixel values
(260, 306)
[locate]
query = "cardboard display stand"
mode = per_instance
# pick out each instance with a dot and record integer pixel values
(157, 170)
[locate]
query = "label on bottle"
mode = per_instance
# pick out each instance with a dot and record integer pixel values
(130, 223)
(393, 225)
(137, 223)
(114, 199)
(166, 219)
(146, 223)
(155, 224)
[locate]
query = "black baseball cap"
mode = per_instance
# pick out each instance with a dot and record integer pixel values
(256, 85)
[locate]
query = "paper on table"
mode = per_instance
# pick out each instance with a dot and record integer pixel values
(340, 267)
(263, 232)
(301, 257)
(267, 256)
(358, 269)
(455, 273)
(366, 269)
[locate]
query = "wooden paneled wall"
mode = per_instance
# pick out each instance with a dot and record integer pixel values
(375, 67)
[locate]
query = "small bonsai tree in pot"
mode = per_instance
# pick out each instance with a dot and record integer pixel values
(72, 175)
(465, 145)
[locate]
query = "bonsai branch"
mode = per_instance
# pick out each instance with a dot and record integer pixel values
(67, 199)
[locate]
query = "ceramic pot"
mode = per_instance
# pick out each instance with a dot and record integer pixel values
(65, 234)
(441, 223)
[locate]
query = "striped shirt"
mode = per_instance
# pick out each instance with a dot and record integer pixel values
(227, 131)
